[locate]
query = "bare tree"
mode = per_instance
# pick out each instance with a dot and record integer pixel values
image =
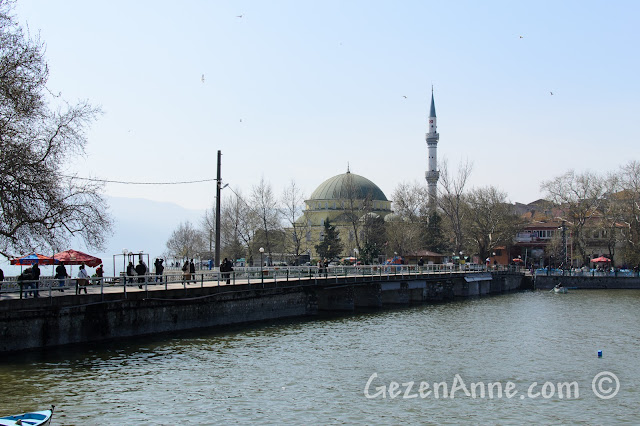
(580, 196)
(238, 225)
(292, 211)
(266, 206)
(208, 228)
(451, 199)
(629, 180)
(491, 220)
(40, 205)
(411, 206)
(185, 242)
(403, 237)
(411, 201)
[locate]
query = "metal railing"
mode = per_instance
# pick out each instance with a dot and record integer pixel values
(48, 286)
(586, 273)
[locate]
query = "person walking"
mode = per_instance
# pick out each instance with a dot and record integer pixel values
(229, 270)
(159, 269)
(35, 276)
(225, 270)
(83, 280)
(186, 275)
(61, 275)
(141, 270)
(99, 273)
(192, 270)
(131, 271)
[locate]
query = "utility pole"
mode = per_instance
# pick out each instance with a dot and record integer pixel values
(218, 187)
(564, 245)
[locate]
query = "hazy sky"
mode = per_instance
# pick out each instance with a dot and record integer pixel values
(299, 89)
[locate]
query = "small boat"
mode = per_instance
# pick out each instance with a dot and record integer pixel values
(33, 418)
(559, 289)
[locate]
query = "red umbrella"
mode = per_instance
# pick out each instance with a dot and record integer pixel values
(601, 259)
(518, 260)
(74, 257)
(32, 258)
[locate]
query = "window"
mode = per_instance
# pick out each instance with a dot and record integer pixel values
(321, 236)
(308, 236)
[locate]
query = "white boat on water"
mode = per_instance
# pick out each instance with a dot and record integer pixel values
(33, 418)
(559, 289)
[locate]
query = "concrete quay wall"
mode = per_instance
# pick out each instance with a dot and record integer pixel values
(59, 321)
(62, 320)
(548, 282)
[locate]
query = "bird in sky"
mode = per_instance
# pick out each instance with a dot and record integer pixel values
(203, 78)
(521, 36)
(238, 16)
(551, 93)
(404, 96)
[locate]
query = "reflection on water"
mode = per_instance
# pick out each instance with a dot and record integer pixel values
(313, 371)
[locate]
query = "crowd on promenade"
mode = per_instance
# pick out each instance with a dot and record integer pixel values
(29, 279)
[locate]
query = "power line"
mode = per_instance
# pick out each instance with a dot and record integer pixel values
(140, 183)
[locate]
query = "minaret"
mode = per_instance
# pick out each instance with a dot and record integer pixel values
(432, 173)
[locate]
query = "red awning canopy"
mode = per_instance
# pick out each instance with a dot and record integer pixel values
(74, 257)
(601, 259)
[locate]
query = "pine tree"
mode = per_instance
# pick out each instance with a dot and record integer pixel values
(433, 236)
(331, 246)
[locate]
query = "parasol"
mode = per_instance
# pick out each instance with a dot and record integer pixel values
(32, 258)
(74, 257)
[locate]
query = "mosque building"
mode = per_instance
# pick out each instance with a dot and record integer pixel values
(336, 200)
(339, 198)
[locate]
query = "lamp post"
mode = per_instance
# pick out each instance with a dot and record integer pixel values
(261, 250)
(355, 254)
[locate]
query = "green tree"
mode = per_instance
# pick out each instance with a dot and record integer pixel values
(330, 245)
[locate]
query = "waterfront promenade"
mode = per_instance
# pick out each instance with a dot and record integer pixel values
(251, 276)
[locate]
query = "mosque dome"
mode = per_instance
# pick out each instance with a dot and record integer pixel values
(348, 185)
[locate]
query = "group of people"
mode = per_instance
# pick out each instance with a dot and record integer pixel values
(30, 278)
(140, 270)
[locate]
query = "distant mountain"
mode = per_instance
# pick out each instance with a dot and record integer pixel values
(144, 225)
(138, 225)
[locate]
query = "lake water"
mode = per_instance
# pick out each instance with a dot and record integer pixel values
(316, 371)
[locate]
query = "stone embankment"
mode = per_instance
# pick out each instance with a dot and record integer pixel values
(72, 319)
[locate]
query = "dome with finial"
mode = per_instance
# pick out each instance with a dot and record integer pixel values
(348, 186)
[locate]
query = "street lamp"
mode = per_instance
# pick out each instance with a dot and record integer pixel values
(355, 254)
(261, 250)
